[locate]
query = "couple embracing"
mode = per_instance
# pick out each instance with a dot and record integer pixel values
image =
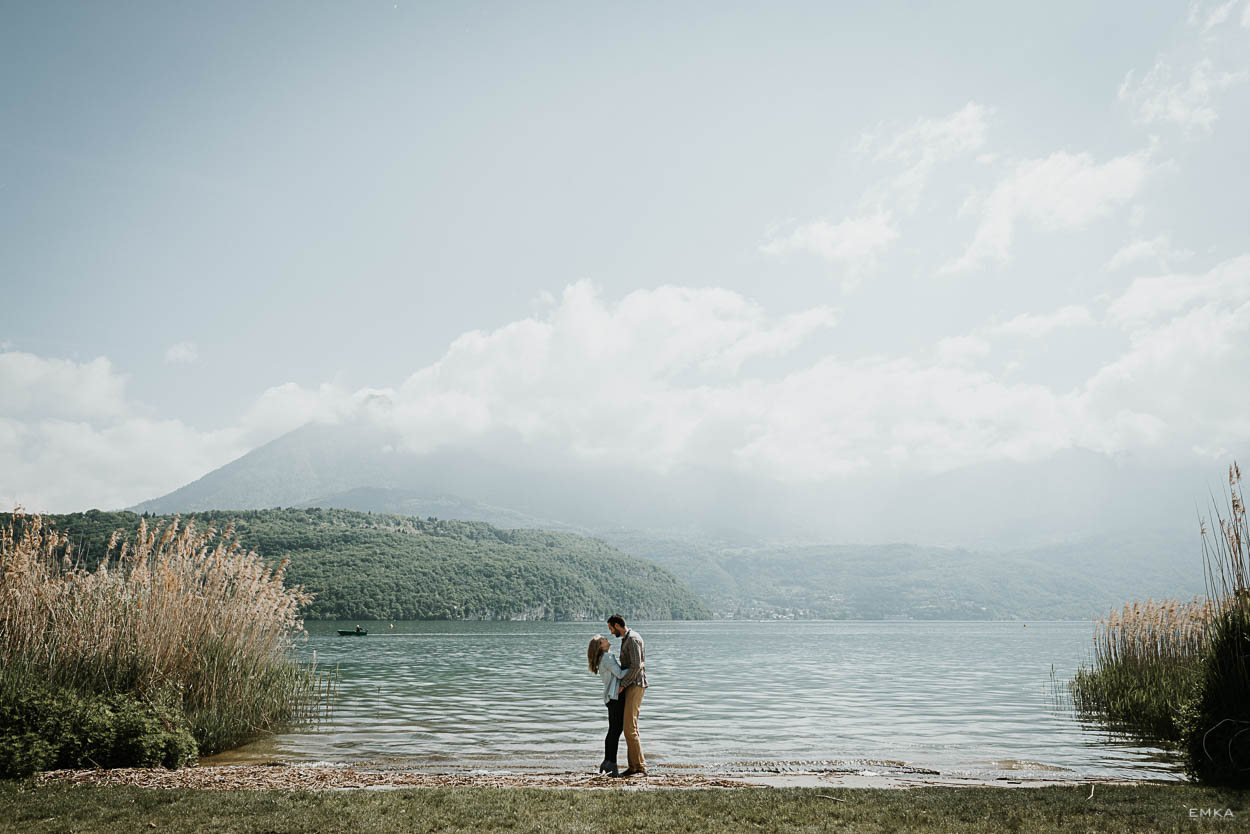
(624, 682)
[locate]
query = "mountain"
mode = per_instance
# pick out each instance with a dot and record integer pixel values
(410, 502)
(317, 462)
(1071, 536)
(1073, 495)
(388, 567)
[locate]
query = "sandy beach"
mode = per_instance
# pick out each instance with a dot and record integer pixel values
(328, 777)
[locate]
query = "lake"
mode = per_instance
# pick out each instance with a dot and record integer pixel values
(961, 698)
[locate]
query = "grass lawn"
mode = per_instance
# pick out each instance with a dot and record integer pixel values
(28, 808)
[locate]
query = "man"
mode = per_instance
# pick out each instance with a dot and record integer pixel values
(633, 661)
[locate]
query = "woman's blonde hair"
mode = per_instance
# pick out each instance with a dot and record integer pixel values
(594, 652)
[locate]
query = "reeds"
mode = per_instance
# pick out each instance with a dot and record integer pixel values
(1217, 721)
(1226, 553)
(1179, 673)
(179, 615)
(1145, 661)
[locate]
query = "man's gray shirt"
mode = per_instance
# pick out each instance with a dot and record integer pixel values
(633, 660)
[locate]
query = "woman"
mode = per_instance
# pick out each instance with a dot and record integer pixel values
(605, 664)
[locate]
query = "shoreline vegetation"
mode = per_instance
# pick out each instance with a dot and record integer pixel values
(1177, 674)
(175, 643)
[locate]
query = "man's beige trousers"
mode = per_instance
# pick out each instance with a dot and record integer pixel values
(633, 703)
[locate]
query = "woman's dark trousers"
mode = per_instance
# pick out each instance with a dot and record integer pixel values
(616, 723)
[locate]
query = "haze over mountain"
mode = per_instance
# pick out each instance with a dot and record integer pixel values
(1069, 497)
(1071, 538)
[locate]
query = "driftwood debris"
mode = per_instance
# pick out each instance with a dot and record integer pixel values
(329, 778)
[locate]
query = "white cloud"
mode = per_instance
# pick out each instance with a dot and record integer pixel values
(629, 381)
(70, 439)
(61, 465)
(921, 147)
(182, 353)
(1181, 381)
(933, 139)
(288, 406)
(1149, 299)
(59, 388)
(854, 243)
(960, 350)
(1209, 18)
(1062, 191)
(1037, 325)
(838, 417)
(669, 378)
(1156, 250)
(1188, 102)
(1245, 17)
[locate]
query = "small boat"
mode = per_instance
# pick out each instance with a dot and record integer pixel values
(353, 632)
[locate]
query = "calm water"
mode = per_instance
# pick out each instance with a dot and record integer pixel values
(960, 698)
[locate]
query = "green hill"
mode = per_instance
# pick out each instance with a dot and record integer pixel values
(390, 567)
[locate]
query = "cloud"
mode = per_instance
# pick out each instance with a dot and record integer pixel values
(1156, 250)
(1180, 381)
(841, 417)
(59, 388)
(1187, 103)
(932, 139)
(960, 350)
(1060, 192)
(1149, 299)
(921, 147)
(630, 381)
(182, 353)
(857, 242)
(678, 378)
(1037, 325)
(1209, 18)
(854, 243)
(71, 438)
(1245, 17)
(282, 408)
(54, 465)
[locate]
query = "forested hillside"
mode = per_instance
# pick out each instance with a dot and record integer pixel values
(369, 566)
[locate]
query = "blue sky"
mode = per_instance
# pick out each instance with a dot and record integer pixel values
(801, 240)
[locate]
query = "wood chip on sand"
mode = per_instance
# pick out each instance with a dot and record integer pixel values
(329, 778)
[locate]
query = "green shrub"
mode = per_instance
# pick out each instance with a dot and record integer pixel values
(45, 728)
(177, 633)
(1217, 722)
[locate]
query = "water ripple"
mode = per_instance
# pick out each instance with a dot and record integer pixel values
(967, 698)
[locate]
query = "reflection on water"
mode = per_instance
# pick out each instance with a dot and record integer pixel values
(960, 698)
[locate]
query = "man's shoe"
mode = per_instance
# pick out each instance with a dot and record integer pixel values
(628, 772)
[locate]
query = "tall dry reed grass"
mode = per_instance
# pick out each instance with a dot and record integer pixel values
(178, 615)
(1217, 720)
(1226, 547)
(1145, 659)
(1179, 673)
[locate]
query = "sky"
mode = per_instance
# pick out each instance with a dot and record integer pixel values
(804, 242)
